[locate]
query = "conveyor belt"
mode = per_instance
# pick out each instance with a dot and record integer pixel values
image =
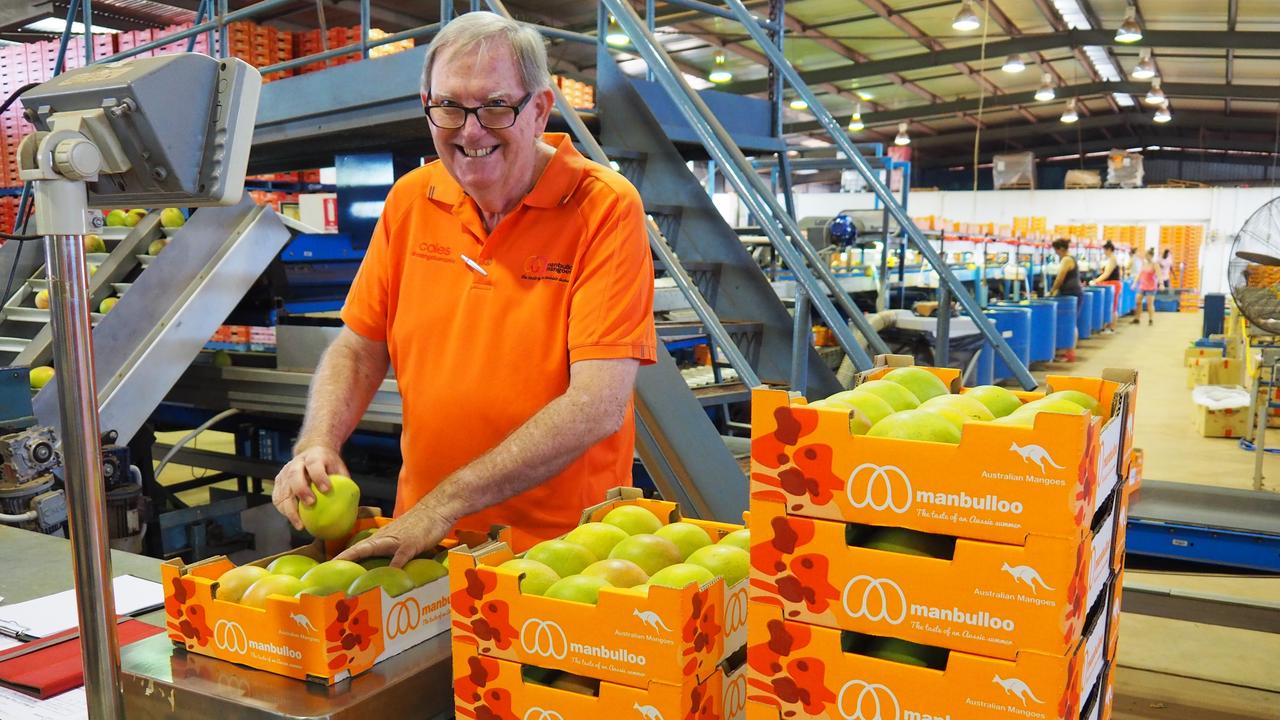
(1196, 523)
(1212, 507)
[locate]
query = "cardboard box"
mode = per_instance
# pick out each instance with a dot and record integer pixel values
(322, 639)
(1194, 353)
(1214, 371)
(1229, 423)
(1114, 606)
(632, 636)
(1121, 533)
(486, 687)
(803, 671)
(988, 598)
(999, 483)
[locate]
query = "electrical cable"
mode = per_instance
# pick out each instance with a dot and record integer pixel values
(188, 437)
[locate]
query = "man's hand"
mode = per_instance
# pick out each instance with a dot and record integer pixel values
(418, 530)
(293, 484)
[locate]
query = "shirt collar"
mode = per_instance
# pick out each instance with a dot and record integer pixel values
(556, 184)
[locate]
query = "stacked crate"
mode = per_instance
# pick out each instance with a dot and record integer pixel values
(1030, 226)
(582, 96)
(898, 579)
(1131, 235)
(390, 48)
(1184, 241)
(645, 652)
(1085, 232)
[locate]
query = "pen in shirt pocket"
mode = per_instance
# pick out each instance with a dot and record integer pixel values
(473, 265)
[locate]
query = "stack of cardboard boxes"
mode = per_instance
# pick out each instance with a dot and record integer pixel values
(895, 578)
(648, 652)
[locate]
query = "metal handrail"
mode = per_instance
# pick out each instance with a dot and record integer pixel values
(710, 322)
(760, 201)
(984, 324)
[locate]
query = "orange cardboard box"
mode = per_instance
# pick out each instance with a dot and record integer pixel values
(323, 639)
(1121, 534)
(1000, 483)
(1194, 353)
(988, 598)
(1113, 616)
(804, 672)
(633, 636)
(486, 687)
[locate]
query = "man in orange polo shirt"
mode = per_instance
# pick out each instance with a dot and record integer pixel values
(510, 285)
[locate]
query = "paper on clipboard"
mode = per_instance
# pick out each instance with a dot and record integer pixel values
(70, 705)
(52, 614)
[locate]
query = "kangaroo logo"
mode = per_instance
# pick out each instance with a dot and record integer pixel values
(1035, 454)
(651, 619)
(1017, 688)
(884, 487)
(648, 712)
(1028, 575)
(303, 621)
(860, 700)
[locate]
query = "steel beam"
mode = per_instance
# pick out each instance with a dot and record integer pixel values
(1173, 90)
(1236, 40)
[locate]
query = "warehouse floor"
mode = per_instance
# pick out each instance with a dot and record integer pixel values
(1169, 669)
(1174, 669)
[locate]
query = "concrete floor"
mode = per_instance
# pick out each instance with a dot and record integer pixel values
(1175, 666)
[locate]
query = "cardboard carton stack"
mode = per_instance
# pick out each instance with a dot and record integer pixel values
(657, 651)
(970, 581)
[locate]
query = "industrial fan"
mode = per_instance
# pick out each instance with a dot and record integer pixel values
(1254, 268)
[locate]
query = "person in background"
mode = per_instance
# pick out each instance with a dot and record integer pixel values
(1110, 277)
(1067, 281)
(1146, 284)
(1166, 270)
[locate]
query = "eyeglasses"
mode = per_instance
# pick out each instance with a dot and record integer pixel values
(494, 117)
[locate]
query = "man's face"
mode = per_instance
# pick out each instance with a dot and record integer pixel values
(485, 160)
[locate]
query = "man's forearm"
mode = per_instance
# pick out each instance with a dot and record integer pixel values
(341, 389)
(539, 449)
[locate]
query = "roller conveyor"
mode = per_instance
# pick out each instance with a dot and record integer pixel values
(1221, 526)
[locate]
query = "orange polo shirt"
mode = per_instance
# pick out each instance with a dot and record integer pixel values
(569, 278)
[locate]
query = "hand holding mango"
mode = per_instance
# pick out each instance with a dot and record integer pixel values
(333, 514)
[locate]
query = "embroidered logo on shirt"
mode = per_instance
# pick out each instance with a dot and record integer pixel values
(538, 267)
(434, 252)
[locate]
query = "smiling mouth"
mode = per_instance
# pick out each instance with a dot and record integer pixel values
(477, 152)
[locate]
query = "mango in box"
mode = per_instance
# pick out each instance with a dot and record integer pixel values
(1048, 475)
(637, 618)
(333, 514)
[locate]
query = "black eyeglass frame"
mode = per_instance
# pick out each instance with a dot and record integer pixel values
(515, 113)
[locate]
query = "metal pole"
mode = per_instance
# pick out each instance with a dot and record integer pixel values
(781, 228)
(800, 331)
(82, 453)
(651, 22)
(1263, 398)
(446, 11)
(66, 38)
(201, 11)
(364, 29)
(942, 356)
(841, 139)
(222, 29)
(87, 8)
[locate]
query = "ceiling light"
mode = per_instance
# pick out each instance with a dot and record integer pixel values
(1069, 115)
(1014, 64)
(855, 122)
(1129, 31)
(966, 19)
(903, 138)
(1163, 115)
(1146, 67)
(1046, 92)
(1155, 95)
(615, 36)
(719, 73)
(55, 26)
(798, 104)
(864, 95)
